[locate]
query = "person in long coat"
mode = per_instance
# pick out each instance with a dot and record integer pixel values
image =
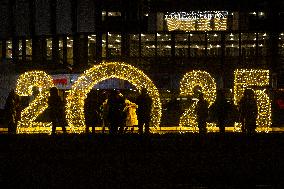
(220, 110)
(144, 103)
(56, 110)
(116, 116)
(248, 111)
(91, 111)
(201, 111)
(12, 111)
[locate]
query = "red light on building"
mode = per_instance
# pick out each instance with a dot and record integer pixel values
(61, 81)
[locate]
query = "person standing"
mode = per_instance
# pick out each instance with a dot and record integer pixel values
(12, 111)
(116, 118)
(201, 111)
(144, 103)
(56, 110)
(248, 111)
(220, 110)
(91, 111)
(131, 116)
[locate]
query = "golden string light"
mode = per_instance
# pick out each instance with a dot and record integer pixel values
(188, 83)
(220, 24)
(184, 25)
(203, 25)
(101, 72)
(251, 78)
(24, 86)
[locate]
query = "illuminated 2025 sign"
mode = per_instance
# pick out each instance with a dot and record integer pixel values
(75, 100)
(197, 20)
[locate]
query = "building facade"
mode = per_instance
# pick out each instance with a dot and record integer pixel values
(164, 38)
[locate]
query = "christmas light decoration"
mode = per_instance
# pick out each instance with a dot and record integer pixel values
(197, 20)
(98, 73)
(254, 79)
(24, 86)
(220, 24)
(203, 25)
(174, 24)
(190, 81)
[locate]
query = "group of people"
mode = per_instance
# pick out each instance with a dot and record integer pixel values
(117, 112)
(223, 111)
(14, 105)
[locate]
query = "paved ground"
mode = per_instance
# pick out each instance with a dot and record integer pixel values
(156, 161)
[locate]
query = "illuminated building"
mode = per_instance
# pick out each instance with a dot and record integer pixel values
(165, 39)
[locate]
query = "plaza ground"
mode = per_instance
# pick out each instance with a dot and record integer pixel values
(186, 160)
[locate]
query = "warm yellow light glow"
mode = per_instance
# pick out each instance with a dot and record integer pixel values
(203, 25)
(188, 83)
(220, 24)
(98, 73)
(24, 86)
(184, 25)
(250, 78)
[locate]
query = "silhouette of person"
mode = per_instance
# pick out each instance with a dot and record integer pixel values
(12, 111)
(202, 113)
(104, 111)
(91, 110)
(144, 103)
(56, 110)
(116, 115)
(248, 111)
(220, 110)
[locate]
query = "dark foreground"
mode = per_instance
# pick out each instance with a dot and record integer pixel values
(156, 161)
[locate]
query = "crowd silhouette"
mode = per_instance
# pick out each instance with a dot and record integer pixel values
(119, 114)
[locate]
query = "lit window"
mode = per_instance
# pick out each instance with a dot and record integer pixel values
(214, 45)
(262, 44)
(134, 45)
(9, 49)
(252, 13)
(60, 50)
(232, 44)
(114, 13)
(261, 15)
(281, 44)
(28, 49)
(70, 50)
(181, 45)
(49, 49)
(20, 49)
(91, 48)
(148, 47)
(248, 44)
(114, 45)
(163, 45)
(197, 45)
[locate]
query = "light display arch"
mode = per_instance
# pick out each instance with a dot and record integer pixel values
(101, 72)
